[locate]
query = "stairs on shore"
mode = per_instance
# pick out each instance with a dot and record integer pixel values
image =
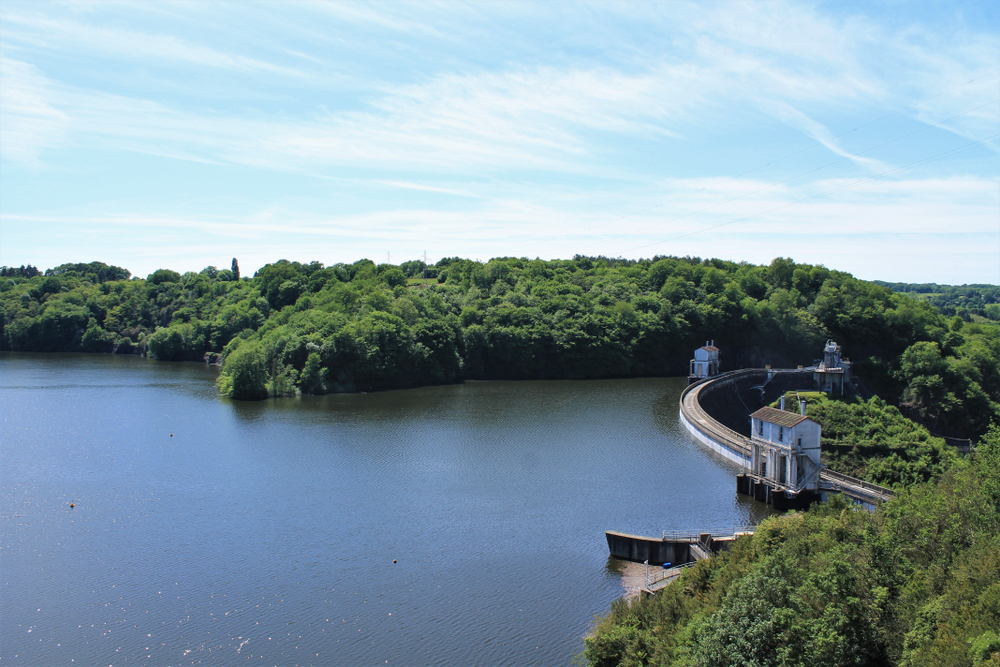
(698, 552)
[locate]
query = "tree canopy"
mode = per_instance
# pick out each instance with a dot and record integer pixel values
(380, 326)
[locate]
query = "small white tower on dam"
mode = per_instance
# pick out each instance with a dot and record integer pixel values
(705, 363)
(833, 370)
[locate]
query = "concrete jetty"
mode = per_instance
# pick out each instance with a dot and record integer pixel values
(676, 548)
(681, 550)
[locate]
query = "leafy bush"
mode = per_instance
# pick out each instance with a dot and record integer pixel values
(96, 339)
(311, 379)
(179, 342)
(244, 373)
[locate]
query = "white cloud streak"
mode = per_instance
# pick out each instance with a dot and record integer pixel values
(29, 123)
(42, 31)
(777, 59)
(528, 147)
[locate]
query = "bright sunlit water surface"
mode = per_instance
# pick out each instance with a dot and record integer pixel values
(457, 525)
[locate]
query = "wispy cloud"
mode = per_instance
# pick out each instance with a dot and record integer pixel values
(822, 134)
(536, 117)
(29, 122)
(46, 32)
(397, 17)
(514, 128)
(491, 122)
(431, 188)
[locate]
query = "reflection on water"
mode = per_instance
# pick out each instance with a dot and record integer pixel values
(214, 532)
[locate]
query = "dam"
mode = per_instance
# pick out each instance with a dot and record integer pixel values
(716, 411)
(723, 412)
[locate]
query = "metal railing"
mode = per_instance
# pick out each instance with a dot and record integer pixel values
(665, 573)
(695, 535)
(807, 480)
(841, 479)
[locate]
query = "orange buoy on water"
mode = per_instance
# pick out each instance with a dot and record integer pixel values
(72, 505)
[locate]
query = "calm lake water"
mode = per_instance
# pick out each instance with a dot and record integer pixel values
(213, 532)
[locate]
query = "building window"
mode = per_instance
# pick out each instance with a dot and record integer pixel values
(781, 434)
(760, 428)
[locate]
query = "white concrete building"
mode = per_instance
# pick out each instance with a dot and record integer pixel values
(785, 449)
(705, 363)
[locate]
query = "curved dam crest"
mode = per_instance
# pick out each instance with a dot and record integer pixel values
(716, 412)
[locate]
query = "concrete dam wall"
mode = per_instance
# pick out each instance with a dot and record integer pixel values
(717, 411)
(731, 400)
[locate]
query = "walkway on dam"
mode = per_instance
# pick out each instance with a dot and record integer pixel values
(692, 410)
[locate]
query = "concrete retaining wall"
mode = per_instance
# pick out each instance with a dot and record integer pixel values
(638, 549)
(719, 447)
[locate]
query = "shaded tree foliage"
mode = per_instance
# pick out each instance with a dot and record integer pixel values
(873, 440)
(517, 318)
(22, 271)
(94, 272)
(246, 377)
(914, 583)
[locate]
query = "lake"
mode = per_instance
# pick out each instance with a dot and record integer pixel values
(455, 525)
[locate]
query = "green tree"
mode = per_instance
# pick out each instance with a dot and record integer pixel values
(161, 276)
(96, 339)
(244, 373)
(311, 378)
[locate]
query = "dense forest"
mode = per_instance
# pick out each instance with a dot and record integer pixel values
(313, 329)
(915, 583)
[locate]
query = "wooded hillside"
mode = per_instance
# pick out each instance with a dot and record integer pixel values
(315, 328)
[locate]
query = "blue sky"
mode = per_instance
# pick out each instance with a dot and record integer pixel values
(860, 136)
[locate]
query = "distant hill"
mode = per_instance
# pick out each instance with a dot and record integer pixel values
(966, 301)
